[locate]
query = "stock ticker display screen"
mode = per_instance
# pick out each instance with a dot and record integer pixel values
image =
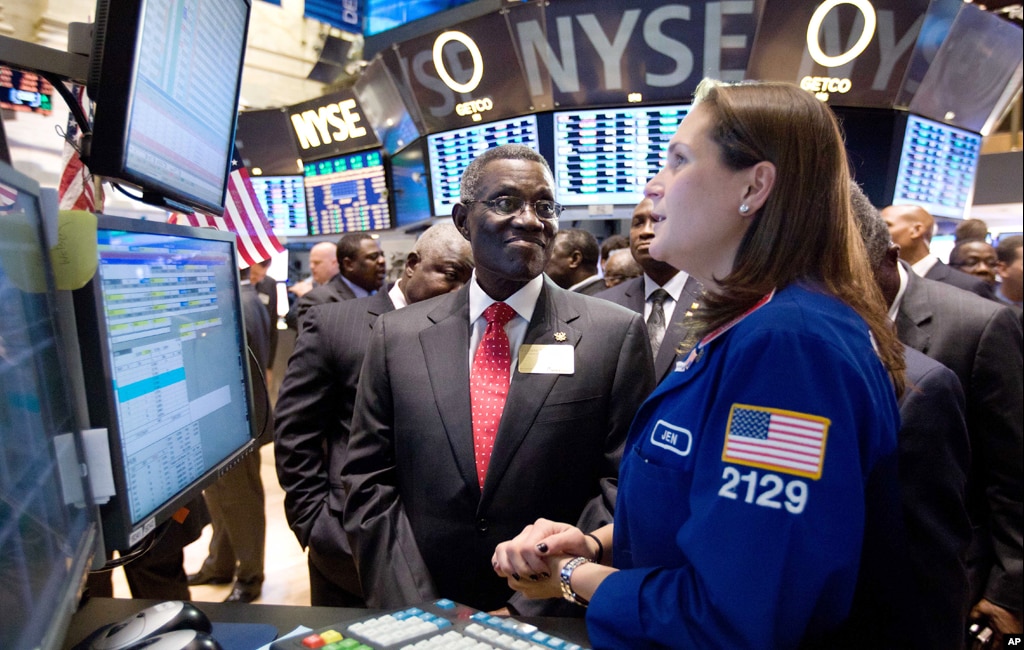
(347, 193)
(450, 153)
(606, 156)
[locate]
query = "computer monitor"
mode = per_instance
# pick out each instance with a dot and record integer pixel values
(47, 531)
(167, 374)
(938, 165)
(347, 193)
(409, 186)
(606, 156)
(449, 154)
(165, 77)
(283, 199)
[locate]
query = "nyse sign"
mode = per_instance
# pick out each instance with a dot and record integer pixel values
(574, 54)
(329, 125)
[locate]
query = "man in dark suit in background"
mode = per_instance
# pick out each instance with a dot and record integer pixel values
(661, 286)
(479, 411)
(266, 291)
(362, 267)
(980, 340)
(911, 228)
(314, 408)
(934, 459)
(573, 262)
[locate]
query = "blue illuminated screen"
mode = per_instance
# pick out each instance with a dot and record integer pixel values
(283, 199)
(451, 152)
(938, 166)
(606, 156)
(347, 194)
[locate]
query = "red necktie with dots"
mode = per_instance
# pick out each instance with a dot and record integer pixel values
(488, 384)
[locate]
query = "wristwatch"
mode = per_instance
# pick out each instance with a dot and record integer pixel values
(566, 576)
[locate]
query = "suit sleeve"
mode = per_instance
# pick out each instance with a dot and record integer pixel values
(998, 392)
(633, 382)
(303, 414)
(935, 455)
(392, 571)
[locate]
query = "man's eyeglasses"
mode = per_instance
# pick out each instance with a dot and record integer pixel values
(512, 205)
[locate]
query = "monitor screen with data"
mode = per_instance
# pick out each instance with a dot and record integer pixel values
(347, 193)
(937, 167)
(167, 373)
(449, 154)
(606, 156)
(283, 199)
(48, 525)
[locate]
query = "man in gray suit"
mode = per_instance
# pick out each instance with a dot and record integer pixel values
(479, 411)
(677, 293)
(911, 228)
(314, 407)
(362, 267)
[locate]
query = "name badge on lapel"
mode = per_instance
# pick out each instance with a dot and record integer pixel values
(547, 359)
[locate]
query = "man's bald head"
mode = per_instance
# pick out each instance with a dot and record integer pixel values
(910, 227)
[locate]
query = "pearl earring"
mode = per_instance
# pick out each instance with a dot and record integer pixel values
(744, 208)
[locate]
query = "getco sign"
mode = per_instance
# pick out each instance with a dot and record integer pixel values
(473, 107)
(823, 86)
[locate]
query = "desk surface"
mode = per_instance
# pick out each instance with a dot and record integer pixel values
(97, 612)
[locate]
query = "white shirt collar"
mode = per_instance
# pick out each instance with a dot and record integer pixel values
(894, 308)
(590, 279)
(925, 264)
(397, 297)
(674, 286)
(522, 301)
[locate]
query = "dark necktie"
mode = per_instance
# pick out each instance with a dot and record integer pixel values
(656, 321)
(488, 384)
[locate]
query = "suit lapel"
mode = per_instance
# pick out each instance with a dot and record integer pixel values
(446, 351)
(676, 335)
(529, 392)
(635, 297)
(914, 315)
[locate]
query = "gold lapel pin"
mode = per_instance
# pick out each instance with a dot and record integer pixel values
(560, 337)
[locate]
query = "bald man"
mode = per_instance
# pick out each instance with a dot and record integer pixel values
(911, 228)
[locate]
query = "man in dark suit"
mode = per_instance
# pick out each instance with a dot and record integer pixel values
(479, 411)
(573, 262)
(266, 291)
(934, 459)
(362, 267)
(680, 296)
(980, 340)
(314, 408)
(911, 228)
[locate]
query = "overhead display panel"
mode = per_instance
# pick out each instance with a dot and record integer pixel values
(606, 156)
(937, 168)
(450, 153)
(466, 74)
(347, 193)
(283, 199)
(847, 52)
(381, 98)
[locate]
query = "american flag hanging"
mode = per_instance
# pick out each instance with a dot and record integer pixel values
(243, 216)
(75, 190)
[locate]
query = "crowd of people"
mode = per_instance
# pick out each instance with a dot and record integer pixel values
(784, 423)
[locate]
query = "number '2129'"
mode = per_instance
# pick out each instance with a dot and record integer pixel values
(765, 492)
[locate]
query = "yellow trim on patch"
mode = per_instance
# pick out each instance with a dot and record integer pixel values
(815, 475)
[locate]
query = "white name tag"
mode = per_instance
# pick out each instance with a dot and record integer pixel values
(547, 359)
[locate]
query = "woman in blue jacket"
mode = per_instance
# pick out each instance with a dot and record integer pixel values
(758, 488)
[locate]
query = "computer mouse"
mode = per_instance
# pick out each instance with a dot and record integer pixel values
(157, 619)
(178, 640)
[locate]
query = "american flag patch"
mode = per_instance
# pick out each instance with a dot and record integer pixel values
(784, 441)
